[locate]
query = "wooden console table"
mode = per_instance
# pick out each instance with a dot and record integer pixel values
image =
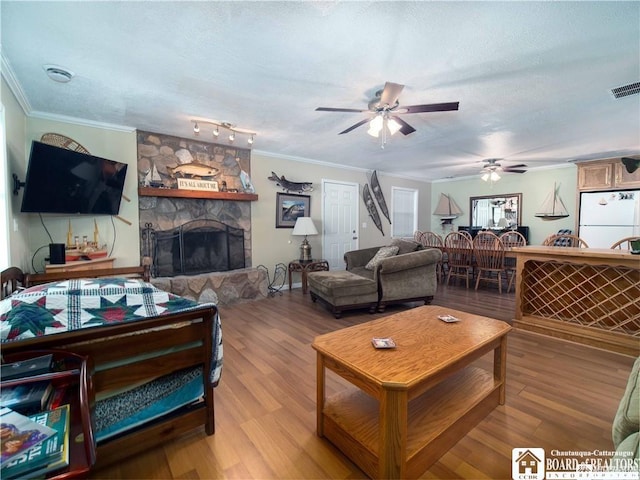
(586, 295)
(413, 402)
(79, 265)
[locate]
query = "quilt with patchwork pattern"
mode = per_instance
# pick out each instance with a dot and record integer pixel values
(68, 305)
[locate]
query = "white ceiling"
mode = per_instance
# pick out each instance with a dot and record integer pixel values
(533, 79)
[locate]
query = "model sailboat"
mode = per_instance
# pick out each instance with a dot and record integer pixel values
(447, 209)
(553, 207)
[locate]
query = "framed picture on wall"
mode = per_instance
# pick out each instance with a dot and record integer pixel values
(290, 207)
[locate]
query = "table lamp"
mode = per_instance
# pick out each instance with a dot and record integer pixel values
(304, 226)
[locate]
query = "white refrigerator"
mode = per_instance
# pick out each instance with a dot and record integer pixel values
(606, 217)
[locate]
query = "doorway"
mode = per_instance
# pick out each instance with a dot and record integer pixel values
(340, 211)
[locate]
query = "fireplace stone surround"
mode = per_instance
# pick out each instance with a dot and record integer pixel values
(157, 151)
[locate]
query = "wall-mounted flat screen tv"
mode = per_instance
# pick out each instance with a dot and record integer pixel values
(63, 181)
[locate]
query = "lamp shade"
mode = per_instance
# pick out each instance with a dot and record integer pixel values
(304, 226)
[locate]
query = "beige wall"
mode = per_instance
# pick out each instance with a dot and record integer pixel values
(18, 224)
(534, 185)
(276, 245)
(30, 243)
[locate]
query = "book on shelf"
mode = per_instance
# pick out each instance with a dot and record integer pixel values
(26, 398)
(50, 455)
(19, 434)
(26, 368)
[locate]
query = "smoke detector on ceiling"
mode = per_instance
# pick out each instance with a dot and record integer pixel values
(58, 73)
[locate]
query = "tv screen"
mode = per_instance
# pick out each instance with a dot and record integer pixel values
(63, 181)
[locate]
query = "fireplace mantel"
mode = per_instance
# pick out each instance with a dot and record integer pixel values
(182, 193)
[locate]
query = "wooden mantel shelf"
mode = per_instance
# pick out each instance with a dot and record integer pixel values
(181, 193)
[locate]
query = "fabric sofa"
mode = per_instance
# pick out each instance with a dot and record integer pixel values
(625, 431)
(406, 276)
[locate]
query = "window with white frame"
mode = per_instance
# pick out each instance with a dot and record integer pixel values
(404, 212)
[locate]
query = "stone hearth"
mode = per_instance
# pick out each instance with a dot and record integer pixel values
(223, 288)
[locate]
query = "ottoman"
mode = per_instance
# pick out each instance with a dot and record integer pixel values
(343, 290)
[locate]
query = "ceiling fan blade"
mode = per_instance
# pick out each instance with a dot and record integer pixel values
(353, 127)
(432, 107)
(406, 128)
(508, 170)
(390, 94)
(329, 109)
(520, 165)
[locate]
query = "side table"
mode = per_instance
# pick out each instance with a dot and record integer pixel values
(315, 265)
(72, 374)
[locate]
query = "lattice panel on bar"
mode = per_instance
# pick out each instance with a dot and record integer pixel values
(597, 296)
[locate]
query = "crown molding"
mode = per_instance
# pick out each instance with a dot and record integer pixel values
(294, 158)
(14, 85)
(82, 122)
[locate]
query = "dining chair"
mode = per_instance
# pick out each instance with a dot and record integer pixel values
(417, 236)
(510, 240)
(433, 240)
(625, 243)
(488, 253)
(11, 279)
(564, 240)
(459, 251)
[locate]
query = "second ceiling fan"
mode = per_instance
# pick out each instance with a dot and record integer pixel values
(386, 109)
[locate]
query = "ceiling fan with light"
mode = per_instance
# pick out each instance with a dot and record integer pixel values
(386, 109)
(490, 170)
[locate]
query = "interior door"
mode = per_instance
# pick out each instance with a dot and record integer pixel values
(340, 221)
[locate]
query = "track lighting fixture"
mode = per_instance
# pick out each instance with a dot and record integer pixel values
(233, 130)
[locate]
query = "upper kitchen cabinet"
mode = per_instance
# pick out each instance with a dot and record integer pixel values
(606, 175)
(624, 179)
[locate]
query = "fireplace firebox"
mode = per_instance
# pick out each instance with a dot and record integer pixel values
(198, 246)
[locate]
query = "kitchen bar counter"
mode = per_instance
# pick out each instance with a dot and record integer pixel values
(586, 295)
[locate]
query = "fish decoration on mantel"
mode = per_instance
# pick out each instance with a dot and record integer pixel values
(192, 170)
(289, 186)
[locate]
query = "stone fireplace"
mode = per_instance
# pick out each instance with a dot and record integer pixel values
(199, 244)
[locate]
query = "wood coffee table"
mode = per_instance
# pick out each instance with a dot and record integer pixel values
(414, 402)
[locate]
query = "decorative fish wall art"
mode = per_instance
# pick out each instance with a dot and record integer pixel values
(377, 193)
(289, 186)
(192, 170)
(371, 208)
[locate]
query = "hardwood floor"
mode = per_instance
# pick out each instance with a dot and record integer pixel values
(559, 396)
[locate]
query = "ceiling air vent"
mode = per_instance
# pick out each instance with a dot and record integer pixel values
(626, 90)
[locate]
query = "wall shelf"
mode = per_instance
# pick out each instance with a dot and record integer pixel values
(182, 193)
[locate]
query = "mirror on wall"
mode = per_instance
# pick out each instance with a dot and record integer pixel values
(496, 211)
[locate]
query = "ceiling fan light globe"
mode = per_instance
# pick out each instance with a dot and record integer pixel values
(393, 126)
(494, 176)
(376, 123)
(485, 177)
(373, 132)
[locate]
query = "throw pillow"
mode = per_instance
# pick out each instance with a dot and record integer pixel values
(405, 246)
(381, 254)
